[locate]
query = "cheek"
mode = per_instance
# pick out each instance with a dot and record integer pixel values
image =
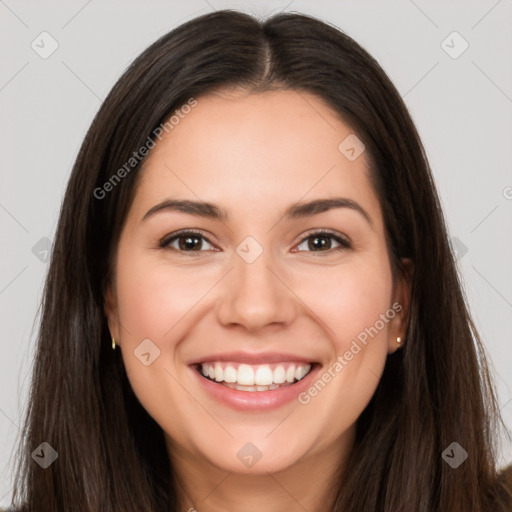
(350, 299)
(153, 299)
(351, 303)
(157, 303)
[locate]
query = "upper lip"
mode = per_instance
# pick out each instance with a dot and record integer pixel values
(252, 358)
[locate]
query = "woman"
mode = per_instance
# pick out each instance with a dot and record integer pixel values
(195, 354)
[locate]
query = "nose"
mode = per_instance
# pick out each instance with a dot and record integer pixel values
(256, 295)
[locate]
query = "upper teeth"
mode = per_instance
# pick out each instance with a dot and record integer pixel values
(250, 375)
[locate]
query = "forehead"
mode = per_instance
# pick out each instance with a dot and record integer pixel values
(244, 150)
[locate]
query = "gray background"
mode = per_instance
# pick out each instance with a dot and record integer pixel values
(462, 107)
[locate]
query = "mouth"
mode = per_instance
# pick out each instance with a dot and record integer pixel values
(254, 378)
(254, 384)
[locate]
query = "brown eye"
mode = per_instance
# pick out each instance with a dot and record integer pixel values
(186, 241)
(323, 242)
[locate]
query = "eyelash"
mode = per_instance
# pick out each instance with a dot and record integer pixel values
(344, 244)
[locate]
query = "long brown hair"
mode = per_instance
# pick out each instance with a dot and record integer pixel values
(435, 391)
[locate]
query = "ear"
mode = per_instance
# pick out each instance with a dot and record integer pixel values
(110, 308)
(400, 305)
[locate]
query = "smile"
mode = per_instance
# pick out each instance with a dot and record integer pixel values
(254, 382)
(255, 378)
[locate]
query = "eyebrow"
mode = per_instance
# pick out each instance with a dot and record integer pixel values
(295, 211)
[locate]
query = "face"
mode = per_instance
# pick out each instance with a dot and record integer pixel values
(256, 340)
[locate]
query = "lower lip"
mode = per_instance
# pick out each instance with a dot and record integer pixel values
(256, 400)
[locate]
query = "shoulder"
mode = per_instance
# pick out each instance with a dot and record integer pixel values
(503, 502)
(505, 476)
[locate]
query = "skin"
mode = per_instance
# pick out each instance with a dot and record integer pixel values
(255, 155)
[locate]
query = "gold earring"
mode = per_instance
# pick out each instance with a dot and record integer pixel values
(113, 344)
(399, 340)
